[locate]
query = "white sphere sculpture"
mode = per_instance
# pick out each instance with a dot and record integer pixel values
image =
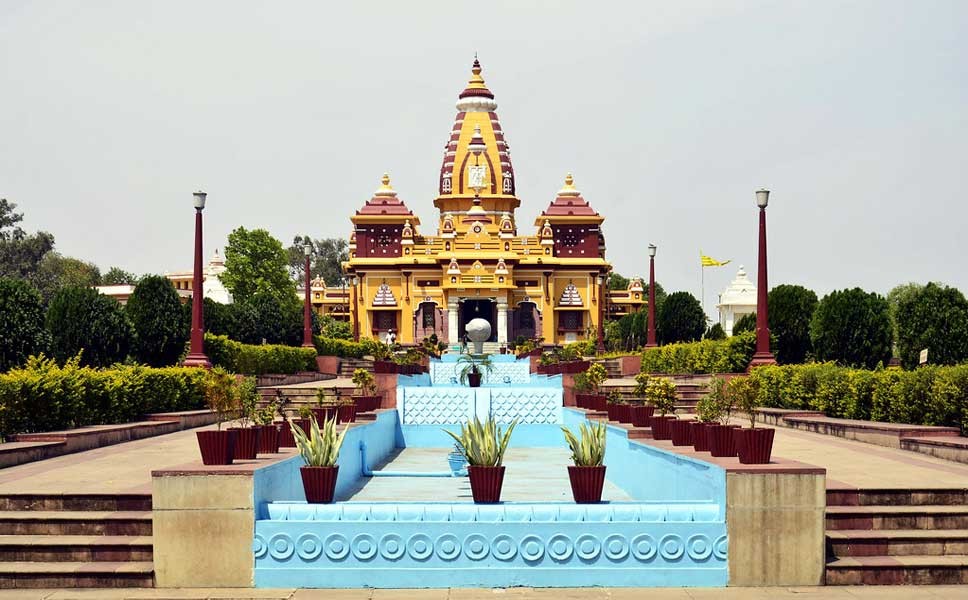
(478, 331)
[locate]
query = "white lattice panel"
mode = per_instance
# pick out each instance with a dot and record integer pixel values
(441, 373)
(437, 406)
(534, 405)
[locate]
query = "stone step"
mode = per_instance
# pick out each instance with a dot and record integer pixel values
(75, 548)
(54, 575)
(75, 502)
(897, 542)
(898, 570)
(894, 497)
(923, 517)
(42, 522)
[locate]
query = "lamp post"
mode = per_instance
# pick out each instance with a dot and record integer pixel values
(196, 352)
(355, 310)
(650, 331)
(762, 356)
(600, 348)
(307, 304)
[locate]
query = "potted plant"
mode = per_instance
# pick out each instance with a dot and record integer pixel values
(285, 430)
(582, 387)
(218, 447)
(596, 375)
(707, 413)
(324, 408)
(269, 438)
(247, 436)
(661, 393)
(753, 446)
(483, 445)
(319, 450)
(641, 411)
(720, 435)
(587, 475)
(474, 368)
(305, 416)
(367, 399)
(345, 410)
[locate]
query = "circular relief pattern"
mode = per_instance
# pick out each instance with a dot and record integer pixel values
(392, 546)
(259, 546)
(364, 546)
(420, 547)
(532, 548)
(503, 547)
(643, 547)
(475, 546)
(560, 547)
(448, 546)
(281, 546)
(616, 547)
(309, 546)
(699, 547)
(587, 547)
(336, 546)
(721, 547)
(671, 547)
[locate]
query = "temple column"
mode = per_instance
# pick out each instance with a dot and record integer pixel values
(452, 335)
(502, 322)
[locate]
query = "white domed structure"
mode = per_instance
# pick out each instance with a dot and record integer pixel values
(478, 331)
(737, 300)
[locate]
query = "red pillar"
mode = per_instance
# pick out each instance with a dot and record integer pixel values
(356, 311)
(196, 353)
(600, 348)
(307, 307)
(650, 332)
(763, 356)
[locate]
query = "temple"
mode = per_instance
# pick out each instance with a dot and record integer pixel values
(546, 282)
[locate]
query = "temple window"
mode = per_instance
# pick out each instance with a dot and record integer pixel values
(445, 186)
(507, 185)
(428, 315)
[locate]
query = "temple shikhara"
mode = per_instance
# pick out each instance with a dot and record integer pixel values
(545, 280)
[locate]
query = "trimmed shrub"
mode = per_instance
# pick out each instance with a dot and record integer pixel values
(44, 396)
(80, 319)
(156, 316)
(790, 309)
(926, 396)
(22, 331)
(326, 346)
(731, 355)
(680, 319)
(251, 359)
(933, 317)
(745, 323)
(853, 328)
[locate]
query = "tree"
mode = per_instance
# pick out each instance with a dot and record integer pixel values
(933, 317)
(20, 254)
(80, 319)
(715, 332)
(618, 282)
(56, 271)
(256, 262)
(326, 259)
(904, 291)
(790, 310)
(745, 323)
(660, 295)
(118, 276)
(22, 332)
(852, 327)
(155, 313)
(680, 319)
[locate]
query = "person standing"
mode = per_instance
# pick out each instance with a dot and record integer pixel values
(391, 338)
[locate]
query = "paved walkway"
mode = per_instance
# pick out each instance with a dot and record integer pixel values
(803, 593)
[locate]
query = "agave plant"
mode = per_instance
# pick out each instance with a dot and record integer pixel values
(483, 444)
(588, 450)
(321, 447)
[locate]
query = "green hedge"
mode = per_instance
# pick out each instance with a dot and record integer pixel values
(731, 355)
(43, 396)
(249, 359)
(326, 346)
(929, 395)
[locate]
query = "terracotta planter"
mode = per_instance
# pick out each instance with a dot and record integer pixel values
(598, 402)
(303, 424)
(700, 436)
(642, 415)
(612, 410)
(721, 441)
(216, 447)
(662, 427)
(366, 403)
(319, 483)
(346, 413)
(246, 442)
(328, 364)
(486, 483)
(269, 440)
(581, 400)
(754, 446)
(681, 433)
(587, 483)
(384, 366)
(474, 379)
(324, 413)
(625, 413)
(286, 440)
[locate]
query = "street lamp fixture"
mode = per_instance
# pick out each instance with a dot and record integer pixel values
(762, 198)
(650, 326)
(307, 302)
(763, 354)
(652, 250)
(199, 198)
(196, 350)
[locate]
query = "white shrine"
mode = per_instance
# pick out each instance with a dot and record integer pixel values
(737, 300)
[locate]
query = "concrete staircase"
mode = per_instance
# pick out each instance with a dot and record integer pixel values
(75, 540)
(688, 392)
(897, 537)
(348, 365)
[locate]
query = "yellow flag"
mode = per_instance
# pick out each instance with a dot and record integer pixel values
(711, 262)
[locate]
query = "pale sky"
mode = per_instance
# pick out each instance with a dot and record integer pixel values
(669, 114)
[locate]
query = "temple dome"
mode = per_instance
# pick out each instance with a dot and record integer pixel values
(385, 202)
(568, 203)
